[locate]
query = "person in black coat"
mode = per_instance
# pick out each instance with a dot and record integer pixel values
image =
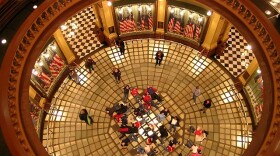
(89, 64)
(113, 109)
(163, 133)
(84, 116)
(122, 47)
(117, 74)
(127, 130)
(159, 57)
(206, 104)
(126, 90)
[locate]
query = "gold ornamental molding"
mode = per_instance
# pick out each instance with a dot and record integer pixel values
(41, 24)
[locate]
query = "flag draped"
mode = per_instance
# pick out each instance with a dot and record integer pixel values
(189, 30)
(197, 32)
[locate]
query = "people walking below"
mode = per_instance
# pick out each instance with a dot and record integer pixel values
(196, 93)
(165, 111)
(126, 90)
(148, 99)
(89, 64)
(174, 122)
(121, 46)
(194, 148)
(124, 143)
(112, 110)
(134, 92)
(159, 57)
(152, 91)
(172, 144)
(163, 133)
(73, 73)
(200, 135)
(117, 74)
(206, 105)
(84, 116)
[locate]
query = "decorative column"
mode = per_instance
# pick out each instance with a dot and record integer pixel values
(161, 6)
(67, 52)
(106, 14)
(215, 34)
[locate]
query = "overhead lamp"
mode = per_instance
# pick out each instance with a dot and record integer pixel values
(109, 3)
(267, 12)
(120, 11)
(139, 8)
(182, 12)
(74, 26)
(3, 41)
(149, 8)
(129, 9)
(35, 6)
(53, 47)
(40, 63)
(172, 10)
(249, 47)
(209, 13)
(191, 15)
(63, 27)
(47, 55)
(72, 33)
(259, 71)
(34, 71)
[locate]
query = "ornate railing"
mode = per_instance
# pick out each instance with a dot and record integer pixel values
(16, 68)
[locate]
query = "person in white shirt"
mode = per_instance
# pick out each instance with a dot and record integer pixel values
(196, 93)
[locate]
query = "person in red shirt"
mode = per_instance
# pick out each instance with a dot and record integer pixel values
(148, 99)
(134, 92)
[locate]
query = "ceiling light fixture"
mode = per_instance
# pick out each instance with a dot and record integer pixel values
(109, 3)
(139, 8)
(3, 41)
(63, 27)
(259, 71)
(35, 6)
(182, 12)
(209, 13)
(249, 47)
(149, 8)
(267, 12)
(40, 63)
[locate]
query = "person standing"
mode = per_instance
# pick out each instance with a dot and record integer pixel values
(206, 105)
(89, 64)
(84, 116)
(174, 122)
(117, 74)
(159, 57)
(126, 90)
(196, 93)
(163, 133)
(121, 46)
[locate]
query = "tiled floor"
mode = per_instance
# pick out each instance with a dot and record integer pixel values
(236, 56)
(79, 32)
(182, 69)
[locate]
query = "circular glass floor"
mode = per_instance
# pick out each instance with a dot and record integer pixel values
(181, 70)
